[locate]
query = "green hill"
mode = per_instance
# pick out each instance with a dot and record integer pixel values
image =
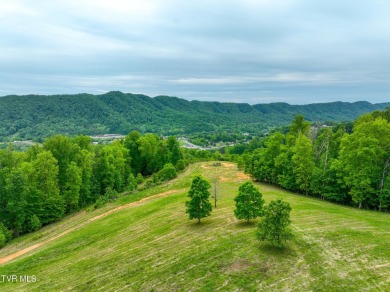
(36, 116)
(144, 242)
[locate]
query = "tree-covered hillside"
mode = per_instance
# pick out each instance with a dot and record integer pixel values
(37, 116)
(330, 163)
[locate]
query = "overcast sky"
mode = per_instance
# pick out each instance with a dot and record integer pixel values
(255, 51)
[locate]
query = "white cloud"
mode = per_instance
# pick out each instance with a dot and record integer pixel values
(11, 8)
(211, 48)
(282, 77)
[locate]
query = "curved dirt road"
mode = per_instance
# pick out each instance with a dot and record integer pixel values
(23, 251)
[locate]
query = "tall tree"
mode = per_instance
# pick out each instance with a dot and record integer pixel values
(45, 186)
(303, 164)
(84, 162)
(174, 153)
(103, 169)
(363, 157)
(285, 166)
(384, 197)
(121, 164)
(72, 187)
(16, 206)
(132, 143)
(299, 126)
(152, 153)
(84, 142)
(45, 174)
(199, 206)
(249, 202)
(64, 151)
(264, 168)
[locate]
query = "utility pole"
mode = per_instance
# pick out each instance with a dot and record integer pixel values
(215, 192)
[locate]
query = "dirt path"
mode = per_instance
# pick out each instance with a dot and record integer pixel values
(23, 251)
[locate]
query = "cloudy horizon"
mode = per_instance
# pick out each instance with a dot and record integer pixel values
(253, 51)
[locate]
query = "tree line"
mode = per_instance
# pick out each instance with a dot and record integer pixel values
(349, 167)
(64, 175)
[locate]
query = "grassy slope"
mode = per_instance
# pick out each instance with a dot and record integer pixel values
(154, 246)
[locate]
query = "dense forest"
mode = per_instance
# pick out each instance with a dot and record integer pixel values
(48, 181)
(34, 117)
(333, 163)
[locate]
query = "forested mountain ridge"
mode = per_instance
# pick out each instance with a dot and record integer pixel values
(37, 116)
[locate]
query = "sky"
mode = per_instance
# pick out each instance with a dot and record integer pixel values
(253, 51)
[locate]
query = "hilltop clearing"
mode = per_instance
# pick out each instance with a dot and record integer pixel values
(148, 244)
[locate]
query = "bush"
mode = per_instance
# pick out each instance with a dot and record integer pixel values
(155, 179)
(37, 236)
(5, 232)
(167, 173)
(34, 223)
(110, 194)
(90, 208)
(180, 165)
(149, 184)
(139, 178)
(131, 182)
(100, 202)
(2, 239)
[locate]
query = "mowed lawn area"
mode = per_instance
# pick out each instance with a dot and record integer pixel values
(152, 246)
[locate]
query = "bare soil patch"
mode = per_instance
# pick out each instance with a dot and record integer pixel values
(224, 179)
(223, 164)
(242, 265)
(240, 176)
(228, 165)
(238, 266)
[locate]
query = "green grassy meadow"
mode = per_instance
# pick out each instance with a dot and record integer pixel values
(152, 246)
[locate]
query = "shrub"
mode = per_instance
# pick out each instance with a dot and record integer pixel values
(139, 178)
(34, 223)
(167, 173)
(131, 182)
(180, 165)
(100, 202)
(110, 194)
(5, 232)
(2, 239)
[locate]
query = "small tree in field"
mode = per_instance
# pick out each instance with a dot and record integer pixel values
(275, 225)
(249, 202)
(199, 205)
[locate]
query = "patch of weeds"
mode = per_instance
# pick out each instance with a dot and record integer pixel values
(37, 236)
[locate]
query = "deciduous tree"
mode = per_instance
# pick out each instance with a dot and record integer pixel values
(249, 202)
(275, 226)
(303, 164)
(199, 205)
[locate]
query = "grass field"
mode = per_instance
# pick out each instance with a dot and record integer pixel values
(150, 245)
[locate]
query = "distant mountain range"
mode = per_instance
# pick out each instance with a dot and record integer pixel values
(38, 116)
